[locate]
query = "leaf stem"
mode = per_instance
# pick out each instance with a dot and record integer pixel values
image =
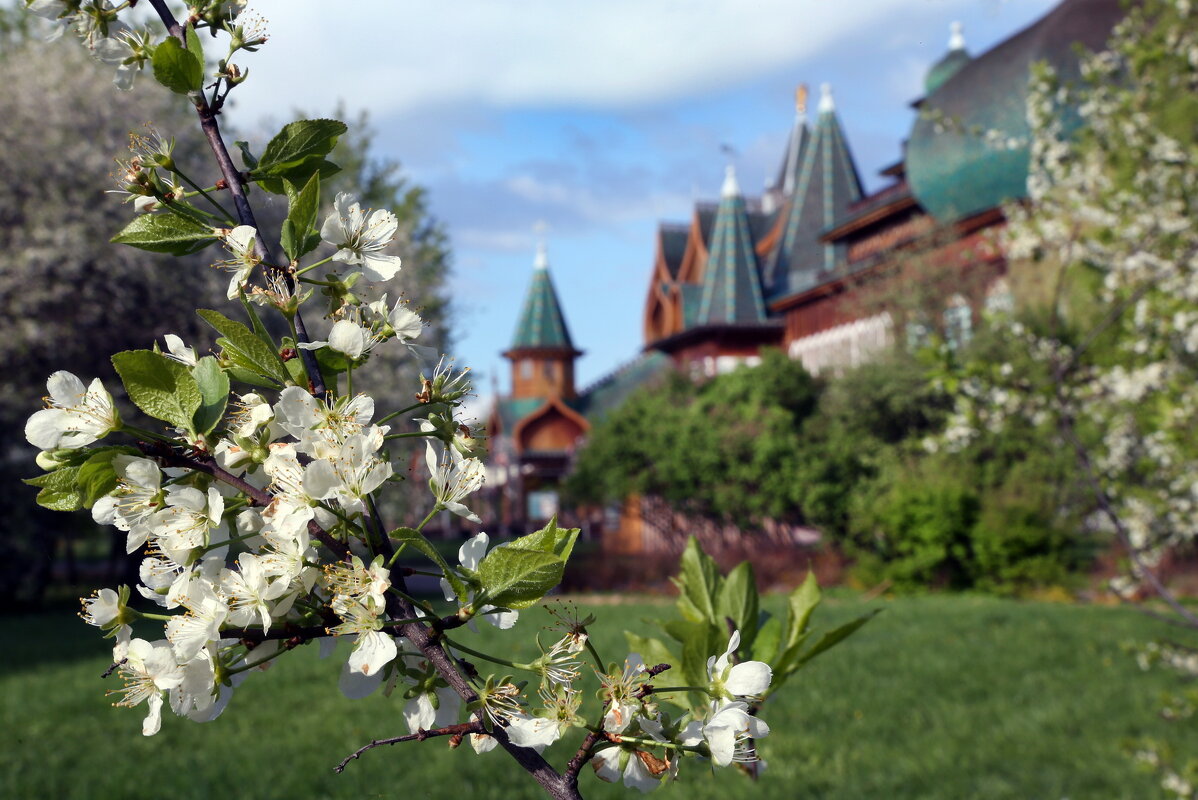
(229, 217)
(493, 659)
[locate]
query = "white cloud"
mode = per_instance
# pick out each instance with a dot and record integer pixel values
(393, 56)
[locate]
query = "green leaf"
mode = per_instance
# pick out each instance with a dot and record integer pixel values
(801, 604)
(247, 158)
(249, 377)
(159, 386)
(245, 349)
(59, 489)
(687, 609)
(699, 581)
(177, 68)
(416, 539)
(255, 321)
(166, 233)
(96, 477)
(193, 45)
(738, 601)
(833, 638)
(550, 539)
(301, 219)
(769, 634)
(299, 174)
(214, 391)
(700, 641)
(300, 142)
(516, 578)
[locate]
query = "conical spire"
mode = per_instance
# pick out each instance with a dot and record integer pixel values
(731, 290)
(796, 144)
(542, 324)
(826, 184)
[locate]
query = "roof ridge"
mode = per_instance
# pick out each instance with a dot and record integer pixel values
(620, 369)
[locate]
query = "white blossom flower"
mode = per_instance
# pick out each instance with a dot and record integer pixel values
(318, 424)
(199, 696)
(361, 237)
(346, 337)
(74, 416)
(357, 582)
(132, 505)
(239, 242)
(428, 711)
(249, 592)
(619, 694)
(149, 669)
(373, 649)
(614, 762)
(730, 733)
(178, 351)
(349, 473)
(206, 612)
(559, 715)
(747, 679)
(187, 520)
(107, 609)
(453, 479)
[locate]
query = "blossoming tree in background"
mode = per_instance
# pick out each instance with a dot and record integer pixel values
(1108, 357)
(248, 482)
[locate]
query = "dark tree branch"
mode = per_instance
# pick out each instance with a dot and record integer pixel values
(236, 186)
(427, 641)
(584, 754)
(473, 726)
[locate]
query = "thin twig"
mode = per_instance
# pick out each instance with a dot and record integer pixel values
(115, 665)
(473, 726)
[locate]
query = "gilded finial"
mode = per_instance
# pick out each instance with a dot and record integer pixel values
(801, 98)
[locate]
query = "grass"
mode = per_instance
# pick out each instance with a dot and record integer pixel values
(939, 697)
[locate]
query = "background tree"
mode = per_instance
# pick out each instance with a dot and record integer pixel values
(66, 127)
(66, 295)
(1110, 371)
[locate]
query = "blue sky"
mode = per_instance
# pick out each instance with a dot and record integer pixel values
(599, 118)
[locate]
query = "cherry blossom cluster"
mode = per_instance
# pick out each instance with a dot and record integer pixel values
(247, 480)
(1111, 212)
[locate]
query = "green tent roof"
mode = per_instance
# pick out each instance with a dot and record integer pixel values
(541, 324)
(731, 287)
(827, 183)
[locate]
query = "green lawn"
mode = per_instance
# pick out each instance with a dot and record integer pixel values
(939, 697)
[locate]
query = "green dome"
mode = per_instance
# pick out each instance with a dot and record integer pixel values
(955, 172)
(944, 69)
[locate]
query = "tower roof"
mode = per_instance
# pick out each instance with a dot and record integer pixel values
(955, 172)
(827, 182)
(542, 324)
(796, 144)
(953, 60)
(731, 288)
